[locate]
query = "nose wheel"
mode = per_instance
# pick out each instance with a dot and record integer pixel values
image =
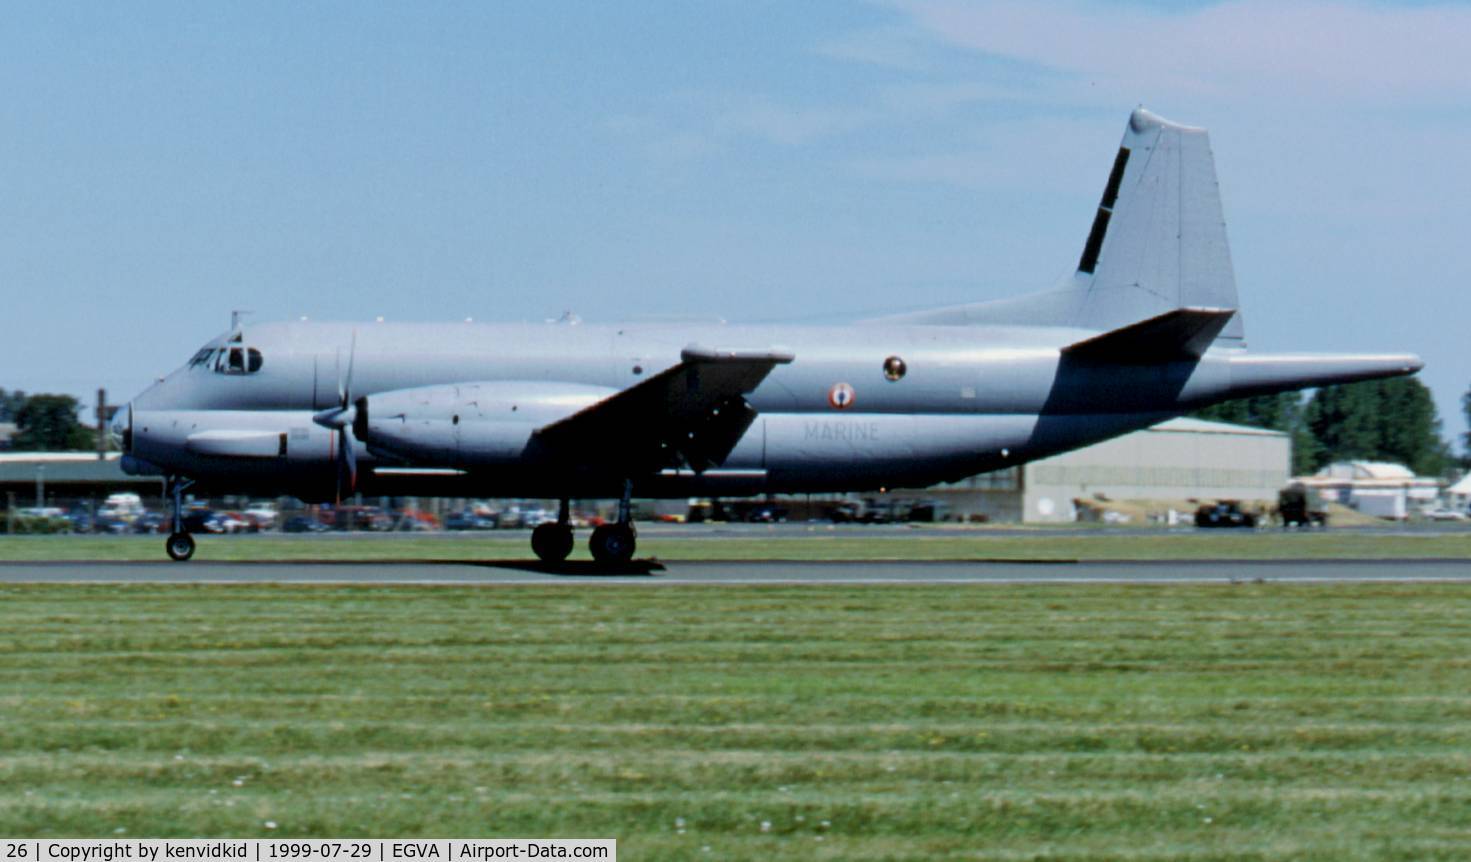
(180, 546)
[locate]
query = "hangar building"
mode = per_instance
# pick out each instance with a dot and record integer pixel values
(1178, 460)
(1375, 488)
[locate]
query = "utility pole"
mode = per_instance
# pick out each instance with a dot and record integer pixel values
(40, 486)
(104, 415)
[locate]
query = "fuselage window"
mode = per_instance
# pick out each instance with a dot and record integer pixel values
(237, 361)
(894, 368)
(202, 357)
(253, 361)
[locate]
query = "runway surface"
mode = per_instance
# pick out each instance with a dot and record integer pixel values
(715, 572)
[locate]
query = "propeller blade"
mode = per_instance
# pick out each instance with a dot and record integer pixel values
(348, 461)
(344, 387)
(336, 418)
(342, 419)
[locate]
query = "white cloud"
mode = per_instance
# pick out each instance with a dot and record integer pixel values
(903, 48)
(1273, 49)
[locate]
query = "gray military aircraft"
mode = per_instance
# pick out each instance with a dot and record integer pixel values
(1147, 328)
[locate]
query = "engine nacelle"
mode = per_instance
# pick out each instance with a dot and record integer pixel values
(467, 424)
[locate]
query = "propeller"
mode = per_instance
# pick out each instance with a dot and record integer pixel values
(342, 419)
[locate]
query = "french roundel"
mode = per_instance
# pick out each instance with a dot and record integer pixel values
(840, 396)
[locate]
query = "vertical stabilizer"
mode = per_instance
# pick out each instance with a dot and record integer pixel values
(1157, 245)
(1158, 240)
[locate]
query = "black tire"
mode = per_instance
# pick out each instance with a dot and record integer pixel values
(612, 544)
(179, 546)
(552, 542)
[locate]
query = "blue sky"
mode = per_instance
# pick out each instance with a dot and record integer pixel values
(162, 164)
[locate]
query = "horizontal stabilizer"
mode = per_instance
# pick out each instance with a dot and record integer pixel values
(1184, 333)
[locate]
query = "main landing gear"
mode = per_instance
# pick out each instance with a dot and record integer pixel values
(611, 544)
(179, 545)
(553, 542)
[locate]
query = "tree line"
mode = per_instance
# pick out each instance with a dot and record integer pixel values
(1377, 420)
(45, 422)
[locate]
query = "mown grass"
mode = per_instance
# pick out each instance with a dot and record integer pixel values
(1254, 721)
(817, 544)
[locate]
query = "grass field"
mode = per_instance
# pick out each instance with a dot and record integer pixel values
(858, 723)
(816, 544)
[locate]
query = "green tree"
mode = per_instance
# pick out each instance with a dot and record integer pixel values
(10, 404)
(1466, 442)
(48, 423)
(1284, 411)
(1379, 420)
(1277, 412)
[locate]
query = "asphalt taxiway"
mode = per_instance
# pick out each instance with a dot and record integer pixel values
(650, 573)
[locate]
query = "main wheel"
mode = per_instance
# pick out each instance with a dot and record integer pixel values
(612, 544)
(552, 542)
(180, 546)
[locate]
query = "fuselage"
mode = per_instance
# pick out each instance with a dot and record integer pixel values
(969, 399)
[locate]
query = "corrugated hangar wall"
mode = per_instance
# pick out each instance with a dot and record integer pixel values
(1177, 460)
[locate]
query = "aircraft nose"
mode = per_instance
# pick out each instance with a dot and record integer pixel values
(120, 431)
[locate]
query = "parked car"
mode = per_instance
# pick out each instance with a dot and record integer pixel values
(1225, 513)
(263, 516)
(150, 522)
(1444, 514)
(304, 524)
(767, 513)
(468, 521)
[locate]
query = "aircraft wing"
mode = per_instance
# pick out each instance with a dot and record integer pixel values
(691, 414)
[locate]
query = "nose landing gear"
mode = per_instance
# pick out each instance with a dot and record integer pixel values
(179, 545)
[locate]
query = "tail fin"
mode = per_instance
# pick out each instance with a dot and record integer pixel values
(1159, 238)
(1158, 244)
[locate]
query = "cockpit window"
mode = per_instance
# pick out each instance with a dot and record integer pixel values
(229, 360)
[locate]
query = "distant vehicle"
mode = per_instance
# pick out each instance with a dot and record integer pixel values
(1225, 513)
(1443, 514)
(303, 524)
(100, 524)
(357, 518)
(414, 521)
(204, 521)
(536, 516)
(150, 522)
(263, 516)
(468, 521)
(767, 513)
(125, 506)
(1301, 506)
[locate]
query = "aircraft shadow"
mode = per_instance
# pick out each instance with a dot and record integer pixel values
(576, 568)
